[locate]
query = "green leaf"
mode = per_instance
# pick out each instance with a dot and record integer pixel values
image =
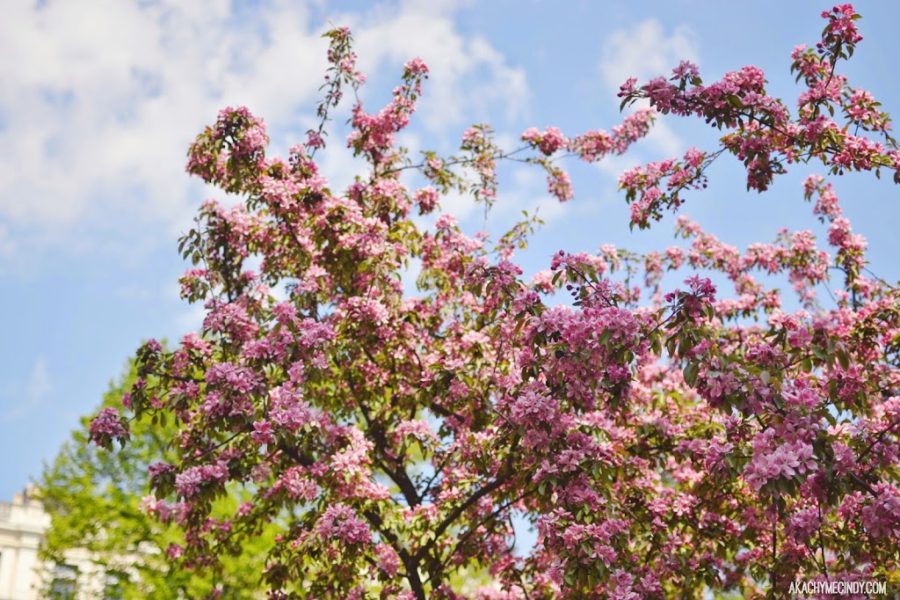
(690, 373)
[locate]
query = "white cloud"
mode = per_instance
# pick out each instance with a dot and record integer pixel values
(104, 96)
(646, 51)
(664, 139)
(107, 95)
(468, 75)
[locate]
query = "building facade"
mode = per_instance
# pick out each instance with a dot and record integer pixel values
(22, 525)
(23, 576)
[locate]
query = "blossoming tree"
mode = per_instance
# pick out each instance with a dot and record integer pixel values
(682, 445)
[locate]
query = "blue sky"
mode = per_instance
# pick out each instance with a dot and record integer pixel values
(101, 99)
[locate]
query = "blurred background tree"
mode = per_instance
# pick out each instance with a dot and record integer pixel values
(94, 500)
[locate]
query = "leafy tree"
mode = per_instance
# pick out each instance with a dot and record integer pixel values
(96, 501)
(676, 446)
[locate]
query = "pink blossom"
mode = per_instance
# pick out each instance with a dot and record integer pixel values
(340, 522)
(108, 426)
(388, 561)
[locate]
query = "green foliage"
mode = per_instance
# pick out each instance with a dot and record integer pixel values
(94, 497)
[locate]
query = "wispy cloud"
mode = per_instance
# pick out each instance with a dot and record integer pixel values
(645, 51)
(30, 394)
(99, 106)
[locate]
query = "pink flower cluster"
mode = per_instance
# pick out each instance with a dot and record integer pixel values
(339, 522)
(772, 461)
(548, 142)
(374, 134)
(841, 28)
(189, 483)
(108, 426)
(644, 185)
